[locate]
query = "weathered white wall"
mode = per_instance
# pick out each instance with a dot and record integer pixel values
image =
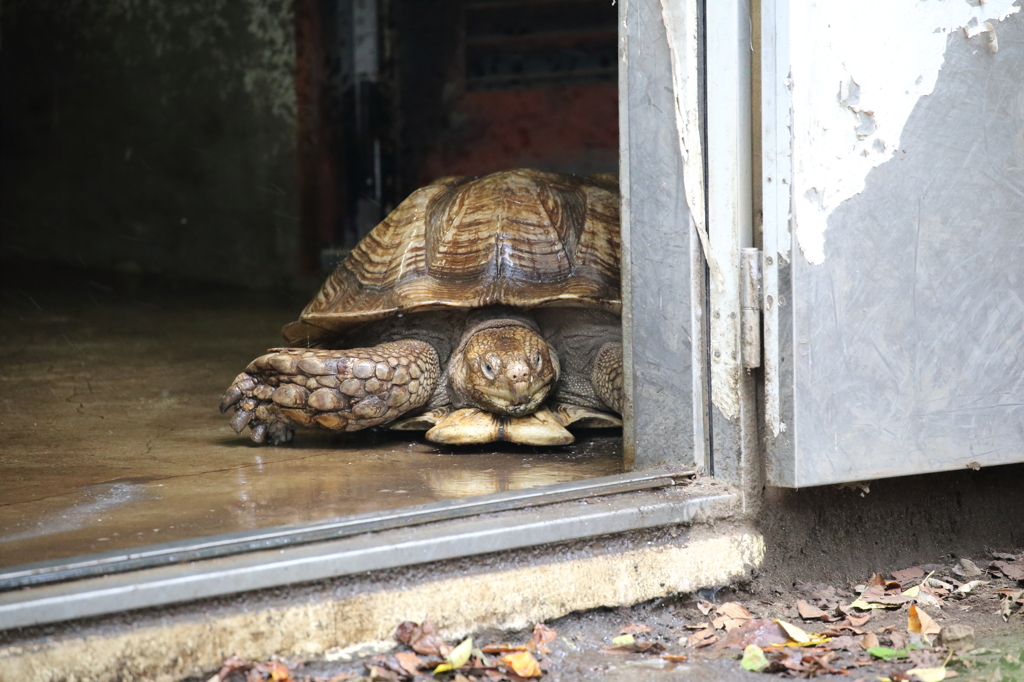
(858, 69)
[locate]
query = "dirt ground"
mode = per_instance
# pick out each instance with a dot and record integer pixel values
(958, 617)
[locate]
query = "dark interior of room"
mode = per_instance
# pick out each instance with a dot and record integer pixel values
(176, 179)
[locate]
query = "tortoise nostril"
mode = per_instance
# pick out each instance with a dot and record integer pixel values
(518, 373)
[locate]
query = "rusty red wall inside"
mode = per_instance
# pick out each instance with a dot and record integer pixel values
(569, 129)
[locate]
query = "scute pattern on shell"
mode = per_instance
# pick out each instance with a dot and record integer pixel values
(521, 238)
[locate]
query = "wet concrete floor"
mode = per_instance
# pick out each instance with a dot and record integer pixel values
(110, 435)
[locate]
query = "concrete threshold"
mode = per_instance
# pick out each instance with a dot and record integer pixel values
(503, 570)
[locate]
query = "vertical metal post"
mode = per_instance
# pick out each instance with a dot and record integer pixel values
(776, 174)
(730, 229)
(662, 276)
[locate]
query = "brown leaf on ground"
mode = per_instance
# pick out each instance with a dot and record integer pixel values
(843, 642)
(1010, 597)
(802, 662)
(635, 648)
(919, 622)
(504, 648)
(869, 641)
(760, 631)
(1014, 570)
(391, 664)
(523, 664)
(381, 673)
(858, 621)
(731, 616)
(705, 607)
(911, 573)
(733, 610)
(410, 662)
(702, 638)
(403, 633)
(810, 612)
(840, 630)
(542, 634)
(275, 671)
(675, 658)
(423, 638)
(935, 593)
(634, 629)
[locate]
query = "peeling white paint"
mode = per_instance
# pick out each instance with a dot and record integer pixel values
(858, 70)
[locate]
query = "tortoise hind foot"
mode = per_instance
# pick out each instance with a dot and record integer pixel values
(584, 417)
(342, 390)
(470, 426)
(422, 422)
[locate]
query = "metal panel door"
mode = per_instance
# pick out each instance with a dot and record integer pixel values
(893, 177)
(661, 178)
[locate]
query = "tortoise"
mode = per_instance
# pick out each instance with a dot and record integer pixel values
(481, 309)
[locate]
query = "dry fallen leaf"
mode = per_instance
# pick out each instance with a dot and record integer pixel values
(921, 623)
(277, 671)
(635, 648)
(705, 607)
(457, 657)
(523, 664)
(1013, 570)
(809, 611)
(542, 634)
(968, 587)
(731, 616)
(794, 633)
(909, 573)
(634, 629)
(760, 631)
(380, 673)
(733, 610)
(409, 661)
(880, 594)
(702, 638)
(422, 638)
(504, 648)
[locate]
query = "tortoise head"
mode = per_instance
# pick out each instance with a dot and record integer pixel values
(504, 367)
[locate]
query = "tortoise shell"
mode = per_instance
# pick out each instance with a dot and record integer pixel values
(519, 238)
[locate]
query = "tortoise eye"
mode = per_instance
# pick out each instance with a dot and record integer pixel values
(488, 371)
(538, 362)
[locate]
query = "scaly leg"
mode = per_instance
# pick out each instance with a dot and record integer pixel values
(606, 377)
(342, 390)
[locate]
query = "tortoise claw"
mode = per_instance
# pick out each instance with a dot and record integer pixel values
(241, 420)
(239, 388)
(231, 396)
(258, 433)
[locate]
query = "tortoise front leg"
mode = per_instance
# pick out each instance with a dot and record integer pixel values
(342, 390)
(606, 376)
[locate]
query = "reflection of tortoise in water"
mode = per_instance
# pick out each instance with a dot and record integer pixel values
(462, 312)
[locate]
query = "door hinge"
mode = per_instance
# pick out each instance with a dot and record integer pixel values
(750, 307)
